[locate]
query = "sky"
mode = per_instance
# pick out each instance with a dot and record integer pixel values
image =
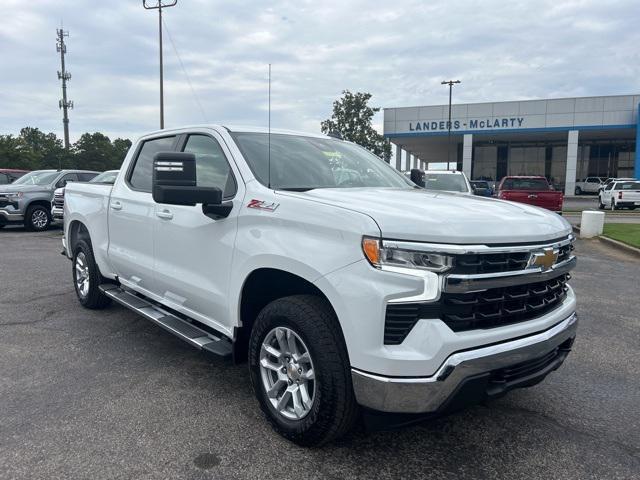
(398, 51)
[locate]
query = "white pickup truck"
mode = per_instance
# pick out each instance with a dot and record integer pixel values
(620, 194)
(349, 290)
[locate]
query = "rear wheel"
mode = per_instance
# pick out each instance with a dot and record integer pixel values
(300, 370)
(87, 277)
(37, 218)
(578, 191)
(600, 204)
(613, 204)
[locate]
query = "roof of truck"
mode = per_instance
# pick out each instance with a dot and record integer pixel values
(240, 128)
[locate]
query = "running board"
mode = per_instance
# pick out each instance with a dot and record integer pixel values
(188, 332)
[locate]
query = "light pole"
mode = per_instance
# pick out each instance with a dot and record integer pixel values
(450, 83)
(159, 6)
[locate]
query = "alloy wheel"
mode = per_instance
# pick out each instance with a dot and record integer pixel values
(287, 373)
(82, 274)
(39, 219)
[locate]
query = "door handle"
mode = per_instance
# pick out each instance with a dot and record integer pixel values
(166, 214)
(116, 205)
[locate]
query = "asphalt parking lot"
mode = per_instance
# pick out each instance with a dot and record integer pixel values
(87, 394)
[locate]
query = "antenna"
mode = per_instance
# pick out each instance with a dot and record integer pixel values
(269, 134)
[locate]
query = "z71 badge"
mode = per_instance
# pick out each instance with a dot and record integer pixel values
(262, 205)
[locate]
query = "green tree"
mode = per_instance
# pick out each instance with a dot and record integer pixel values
(120, 148)
(13, 154)
(45, 149)
(94, 151)
(352, 117)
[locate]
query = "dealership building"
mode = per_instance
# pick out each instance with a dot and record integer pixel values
(564, 139)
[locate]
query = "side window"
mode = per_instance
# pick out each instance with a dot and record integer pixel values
(140, 177)
(69, 177)
(212, 168)
(4, 179)
(609, 187)
(85, 177)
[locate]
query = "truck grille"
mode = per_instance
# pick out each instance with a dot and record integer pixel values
(58, 201)
(470, 264)
(478, 310)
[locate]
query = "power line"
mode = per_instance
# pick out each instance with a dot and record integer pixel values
(65, 76)
(184, 70)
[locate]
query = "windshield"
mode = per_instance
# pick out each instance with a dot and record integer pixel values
(37, 178)
(445, 182)
(105, 177)
(305, 163)
(525, 184)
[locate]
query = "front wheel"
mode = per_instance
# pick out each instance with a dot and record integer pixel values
(87, 278)
(578, 191)
(300, 370)
(37, 218)
(613, 205)
(600, 204)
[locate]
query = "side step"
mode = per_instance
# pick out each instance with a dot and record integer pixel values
(191, 334)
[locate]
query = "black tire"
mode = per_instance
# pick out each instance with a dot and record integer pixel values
(334, 410)
(613, 204)
(578, 191)
(600, 204)
(93, 298)
(37, 218)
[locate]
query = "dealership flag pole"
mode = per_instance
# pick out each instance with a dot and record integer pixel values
(450, 83)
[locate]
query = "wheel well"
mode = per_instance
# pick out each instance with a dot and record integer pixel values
(77, 231)
(42, 203)
(261, 288)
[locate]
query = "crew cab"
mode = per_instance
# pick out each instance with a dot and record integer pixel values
(531, 190)
(347, 294)
(620, 194)
(588, 185)
(27, 200)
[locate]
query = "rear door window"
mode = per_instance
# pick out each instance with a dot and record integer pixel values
(140, 177)
(85, 177)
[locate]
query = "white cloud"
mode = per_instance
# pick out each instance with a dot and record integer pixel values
(398, 52)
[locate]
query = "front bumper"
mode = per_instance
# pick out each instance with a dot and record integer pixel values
(9, 216)
(471, 375)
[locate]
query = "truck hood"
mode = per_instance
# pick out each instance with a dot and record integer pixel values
(439, 217)
(23, 188)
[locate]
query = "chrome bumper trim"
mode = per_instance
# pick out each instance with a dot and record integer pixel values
(483, 281)
(454, 249)
(427, 394)
(11, 217)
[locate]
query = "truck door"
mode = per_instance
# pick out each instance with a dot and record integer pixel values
(131, 217)
(193, 252)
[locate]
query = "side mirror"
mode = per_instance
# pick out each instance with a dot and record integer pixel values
(174, 182)
(417, 177)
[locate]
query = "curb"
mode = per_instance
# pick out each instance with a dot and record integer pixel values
(623, 247)
(620, 246)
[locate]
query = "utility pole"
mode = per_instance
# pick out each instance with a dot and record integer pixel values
(450, 83)
(159, 6)
(65, 76)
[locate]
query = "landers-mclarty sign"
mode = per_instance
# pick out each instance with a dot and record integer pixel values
(474, 124)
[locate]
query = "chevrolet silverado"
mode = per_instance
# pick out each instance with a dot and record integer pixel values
(350, 291)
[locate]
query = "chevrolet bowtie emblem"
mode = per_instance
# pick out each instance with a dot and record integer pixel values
(544, 259)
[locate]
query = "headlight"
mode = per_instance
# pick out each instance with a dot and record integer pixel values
(380, 256)
(14, 195)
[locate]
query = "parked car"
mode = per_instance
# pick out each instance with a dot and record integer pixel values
(589, 185)
(610, 180)
(10, 175)
(531, 190)
(339, 294)
(57, 204)
(28, 199)
(481, 187)
(620, 194)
